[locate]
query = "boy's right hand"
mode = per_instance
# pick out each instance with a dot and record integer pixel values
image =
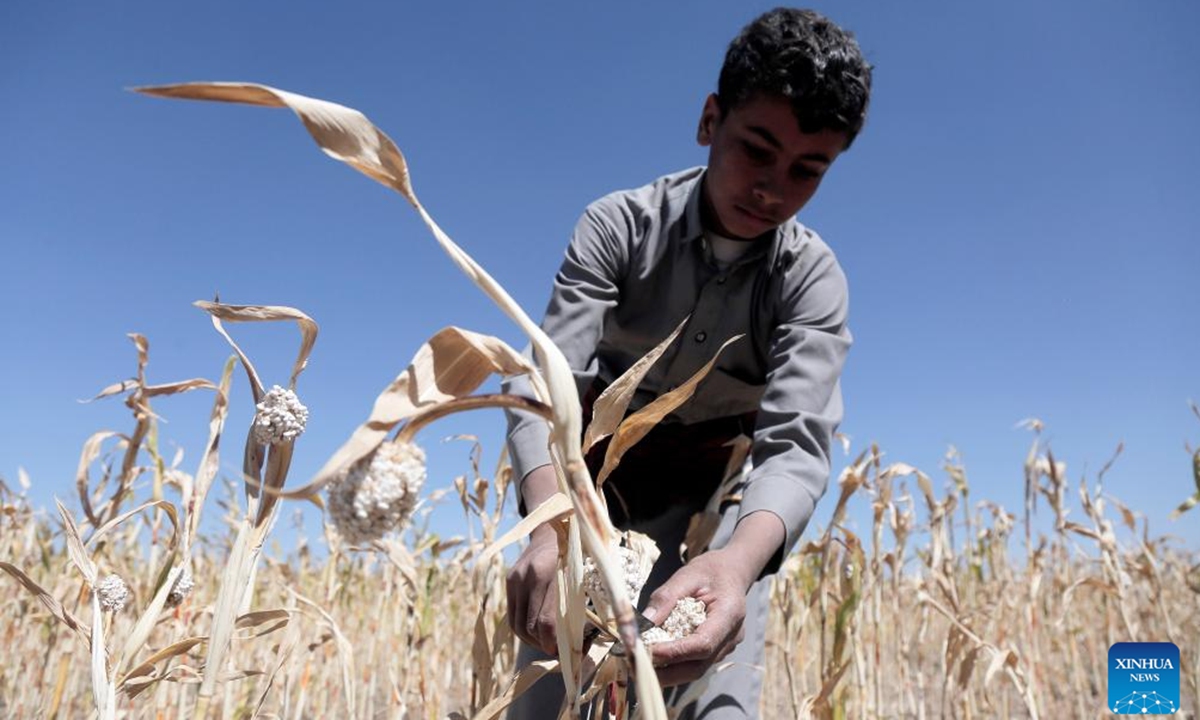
(533, 592)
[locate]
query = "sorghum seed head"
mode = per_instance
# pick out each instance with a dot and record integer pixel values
(112, 592)
(377, 494)
(280, 417)
(635, 560)
(628, 568)
(181, 589)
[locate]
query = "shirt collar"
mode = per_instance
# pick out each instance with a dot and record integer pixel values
(684, 208)
(686, 226)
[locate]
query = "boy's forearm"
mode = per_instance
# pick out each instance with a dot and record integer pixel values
(538, 486)
(756, 539)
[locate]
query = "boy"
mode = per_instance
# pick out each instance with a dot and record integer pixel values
(718, 245)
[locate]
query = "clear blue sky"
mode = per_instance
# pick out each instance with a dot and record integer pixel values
(1018, 220)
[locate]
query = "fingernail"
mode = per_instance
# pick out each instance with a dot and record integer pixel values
(651, 614)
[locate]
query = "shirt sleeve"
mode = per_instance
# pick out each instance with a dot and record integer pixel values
(585, 289)
(801, 406)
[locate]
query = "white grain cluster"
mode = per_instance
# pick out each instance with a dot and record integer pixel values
(631, 568)
(112, 592)
(378, 494)
(280, 417)
(688, 615)
(183, 586)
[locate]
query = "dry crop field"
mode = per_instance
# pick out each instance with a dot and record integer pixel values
(416, 628)
(951, 606)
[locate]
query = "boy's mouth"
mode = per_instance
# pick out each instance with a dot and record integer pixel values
(755, 216)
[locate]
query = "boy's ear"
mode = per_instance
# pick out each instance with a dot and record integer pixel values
(710, 115)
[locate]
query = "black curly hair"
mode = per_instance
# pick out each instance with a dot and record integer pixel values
(805, 58)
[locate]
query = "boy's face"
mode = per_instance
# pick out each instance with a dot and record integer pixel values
(761, 168)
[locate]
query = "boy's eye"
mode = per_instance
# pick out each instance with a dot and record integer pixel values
(801, 172)
(756, 153)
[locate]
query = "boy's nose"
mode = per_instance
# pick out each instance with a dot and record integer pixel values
(765, 193)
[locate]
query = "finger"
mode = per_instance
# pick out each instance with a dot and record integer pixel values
(530, 621)
(681, 673)
(733, 643)
(690, 649)
(728, 648)
(547, 629)
(517, 605)
(510, 602)
(705, 644)
(664, 599)
(546, 620)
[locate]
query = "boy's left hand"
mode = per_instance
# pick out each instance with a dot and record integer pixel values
(718, 579)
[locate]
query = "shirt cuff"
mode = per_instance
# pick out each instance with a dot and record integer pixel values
(786, 498)
(528, 449)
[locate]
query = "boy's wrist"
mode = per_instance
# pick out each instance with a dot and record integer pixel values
(538, 486)
(756, 539)
(543, 533)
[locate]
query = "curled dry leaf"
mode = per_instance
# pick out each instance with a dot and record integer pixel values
(852, 477)
(164, 505)
(136, 638)
(636, 426)
(263, 313)
(136, 682)
(253, 621)
(91, 450)
(609, 409)
(400, 558)
(197, 491)
(342, 133)
(75, 546)
(114, 389)
(1106, 588)
(49, 602)
(999, 660)
(137, 400)
(483, 657)
(557, 506)
(523, 681)
(176, 388)
(452, 364)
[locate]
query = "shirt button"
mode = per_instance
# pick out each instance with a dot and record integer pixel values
(721, 280)
(701, 336)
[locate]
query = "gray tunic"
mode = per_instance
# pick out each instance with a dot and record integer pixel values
(637, 265)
